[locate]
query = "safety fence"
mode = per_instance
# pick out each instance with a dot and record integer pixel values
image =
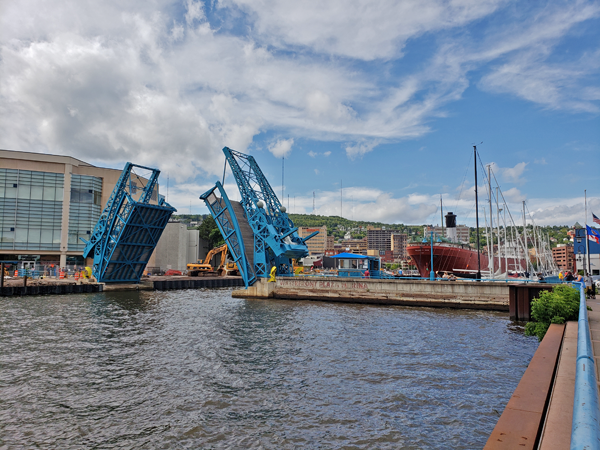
(585, 433)
(47, 271)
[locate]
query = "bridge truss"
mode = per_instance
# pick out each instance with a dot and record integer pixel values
(275, 239)
(129, 227)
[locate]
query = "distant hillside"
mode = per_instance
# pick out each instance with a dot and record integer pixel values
(338, 227)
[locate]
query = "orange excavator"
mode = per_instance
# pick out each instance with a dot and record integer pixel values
(205, 267)
(224, 267)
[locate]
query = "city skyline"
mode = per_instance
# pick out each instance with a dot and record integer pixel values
(387, 99)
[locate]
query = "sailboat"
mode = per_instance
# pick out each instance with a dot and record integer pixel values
(506, 255)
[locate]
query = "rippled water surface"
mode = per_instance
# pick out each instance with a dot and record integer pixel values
(199, 369)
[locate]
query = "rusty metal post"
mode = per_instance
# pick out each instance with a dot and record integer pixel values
(1, 275)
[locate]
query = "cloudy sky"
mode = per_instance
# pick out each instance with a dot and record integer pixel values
(383, 98)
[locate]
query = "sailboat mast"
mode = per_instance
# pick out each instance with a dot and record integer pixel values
(442, 215)
(525, 239)
(491, 254)
(505, 241)
(498, 228)
(477, 216)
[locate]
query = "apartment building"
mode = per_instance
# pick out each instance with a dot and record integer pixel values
(318, 244)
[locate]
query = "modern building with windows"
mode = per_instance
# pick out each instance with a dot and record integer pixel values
(317, 245)
(564, 257)
(399, 244)
(47, 203)
(462, 232)
(580, 250)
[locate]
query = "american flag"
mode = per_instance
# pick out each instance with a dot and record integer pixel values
(596, 220)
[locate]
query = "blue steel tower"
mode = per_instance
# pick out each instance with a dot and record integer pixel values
(128, 229)
(259, 223)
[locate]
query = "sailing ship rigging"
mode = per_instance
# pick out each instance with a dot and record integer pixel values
(508, 253)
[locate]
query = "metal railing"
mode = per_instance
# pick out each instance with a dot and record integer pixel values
(585, 433)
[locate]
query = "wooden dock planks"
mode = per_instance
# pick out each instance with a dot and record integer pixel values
(520, 425)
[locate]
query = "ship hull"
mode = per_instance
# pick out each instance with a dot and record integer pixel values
(456, 259)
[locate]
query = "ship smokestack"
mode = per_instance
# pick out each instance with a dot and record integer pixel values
(451, 226)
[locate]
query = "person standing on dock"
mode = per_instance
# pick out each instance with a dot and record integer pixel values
(273, 273)
(589, 287)
(367, 274)
(569, 276)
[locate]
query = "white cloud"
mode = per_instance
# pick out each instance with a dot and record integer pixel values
(360, 149)
(115, 81)
(513, 196)
(281, 148)
(359, 30)
(552, 85)
(366, 203)
(514, 174)
(510, 174)
(315, 154)
(562, 211)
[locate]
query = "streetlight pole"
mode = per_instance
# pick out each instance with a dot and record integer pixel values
(432, 273)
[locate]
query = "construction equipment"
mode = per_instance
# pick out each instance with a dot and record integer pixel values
(258, 230)
(205, 266)
(231, 268)
(129, 227)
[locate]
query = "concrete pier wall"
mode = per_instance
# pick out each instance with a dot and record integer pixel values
(457, 294)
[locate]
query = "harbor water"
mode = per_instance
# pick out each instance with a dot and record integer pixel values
(199, 369)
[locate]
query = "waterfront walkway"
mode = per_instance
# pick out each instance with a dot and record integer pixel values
(538, 414)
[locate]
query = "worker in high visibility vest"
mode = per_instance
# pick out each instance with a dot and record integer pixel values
(273, 273)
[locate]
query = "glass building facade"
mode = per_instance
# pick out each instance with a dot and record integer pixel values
(30, 210)
(85, 209)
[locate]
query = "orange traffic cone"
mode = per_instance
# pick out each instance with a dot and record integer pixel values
(62, 275)
(16, 273)
(76, 275)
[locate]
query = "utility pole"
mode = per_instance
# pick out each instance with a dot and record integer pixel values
(587, 241)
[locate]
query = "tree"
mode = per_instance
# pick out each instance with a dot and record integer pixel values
(209, 231)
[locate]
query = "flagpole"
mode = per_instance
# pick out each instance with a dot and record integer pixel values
(587, 239)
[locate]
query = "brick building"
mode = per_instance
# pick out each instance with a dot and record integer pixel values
(564, 257)
(398, 247)
(387, 256)
(317, 244)
(379, 239)
(358, 246)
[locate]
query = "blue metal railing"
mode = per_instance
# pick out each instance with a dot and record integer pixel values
(585, 433)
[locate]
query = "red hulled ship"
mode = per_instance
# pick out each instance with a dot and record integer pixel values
(457, 258)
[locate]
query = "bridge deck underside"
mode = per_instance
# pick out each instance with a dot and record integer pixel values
(247, 233)
(136, 243)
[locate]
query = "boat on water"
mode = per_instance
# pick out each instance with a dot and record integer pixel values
(508, 253)
(458, 258)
